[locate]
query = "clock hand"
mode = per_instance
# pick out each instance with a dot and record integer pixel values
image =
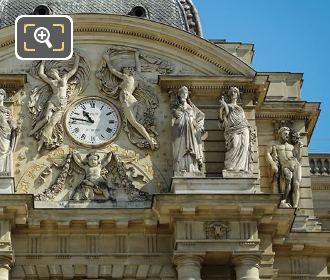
(77, 119)
(86, 114)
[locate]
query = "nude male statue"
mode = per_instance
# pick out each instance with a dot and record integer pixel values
(57, 102)
(285, 162)
(94, 186)
(128, 102)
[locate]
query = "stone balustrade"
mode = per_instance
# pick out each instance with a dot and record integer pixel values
(320, 164)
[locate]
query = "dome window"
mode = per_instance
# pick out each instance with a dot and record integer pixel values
(139, 11)
(42, 10)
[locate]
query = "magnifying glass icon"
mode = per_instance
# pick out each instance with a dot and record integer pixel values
(41, 35)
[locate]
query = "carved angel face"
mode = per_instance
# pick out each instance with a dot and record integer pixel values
(93, 160)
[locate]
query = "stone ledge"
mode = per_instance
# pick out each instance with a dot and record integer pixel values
(7, 185)
(93, 204)
(228, 245)
(193, 185)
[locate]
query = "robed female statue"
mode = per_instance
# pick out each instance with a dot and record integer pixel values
(239, 135)
(188, 129)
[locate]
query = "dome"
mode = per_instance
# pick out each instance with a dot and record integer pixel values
(178, 13)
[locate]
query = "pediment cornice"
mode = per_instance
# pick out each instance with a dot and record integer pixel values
(95, 28)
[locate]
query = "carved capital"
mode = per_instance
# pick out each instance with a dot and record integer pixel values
(188, 267)
(6, 262)
(247, 266)
(188, 260)
(246, 260)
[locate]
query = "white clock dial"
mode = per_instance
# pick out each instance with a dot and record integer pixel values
(93, 121)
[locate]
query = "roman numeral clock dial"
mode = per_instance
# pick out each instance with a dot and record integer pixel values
(93, 121)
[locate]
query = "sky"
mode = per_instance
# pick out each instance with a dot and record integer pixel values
(288, 36)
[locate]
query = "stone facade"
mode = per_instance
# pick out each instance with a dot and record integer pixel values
(137, 206)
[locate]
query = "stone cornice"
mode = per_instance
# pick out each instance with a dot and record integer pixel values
(216, 85)
(15, 208)
(291, 110)
(305, 243)
(259, 207)
(12, 82)
(320, 188)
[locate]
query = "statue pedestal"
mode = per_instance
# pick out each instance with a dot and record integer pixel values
(188, 174)
(236, 174)
(7, 185)
(193, 185)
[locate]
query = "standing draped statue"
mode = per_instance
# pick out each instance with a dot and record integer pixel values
(8, 136)
(188, 129)
(239, 135)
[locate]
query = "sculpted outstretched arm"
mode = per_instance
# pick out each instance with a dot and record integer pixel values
(111, 69)
(78, 161)
(137, 62)
(42, 74)
(75, 67)
(224, 109)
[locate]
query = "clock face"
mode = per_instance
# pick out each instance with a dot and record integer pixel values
(93, 121)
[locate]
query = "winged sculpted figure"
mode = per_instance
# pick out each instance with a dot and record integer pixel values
(62, 81)
(137, 99)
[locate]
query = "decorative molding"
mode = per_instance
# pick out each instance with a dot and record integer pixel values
(254, 89)
(152, 31)
(321, 188)
(287, 116)
(12, 83)
(151, 37)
